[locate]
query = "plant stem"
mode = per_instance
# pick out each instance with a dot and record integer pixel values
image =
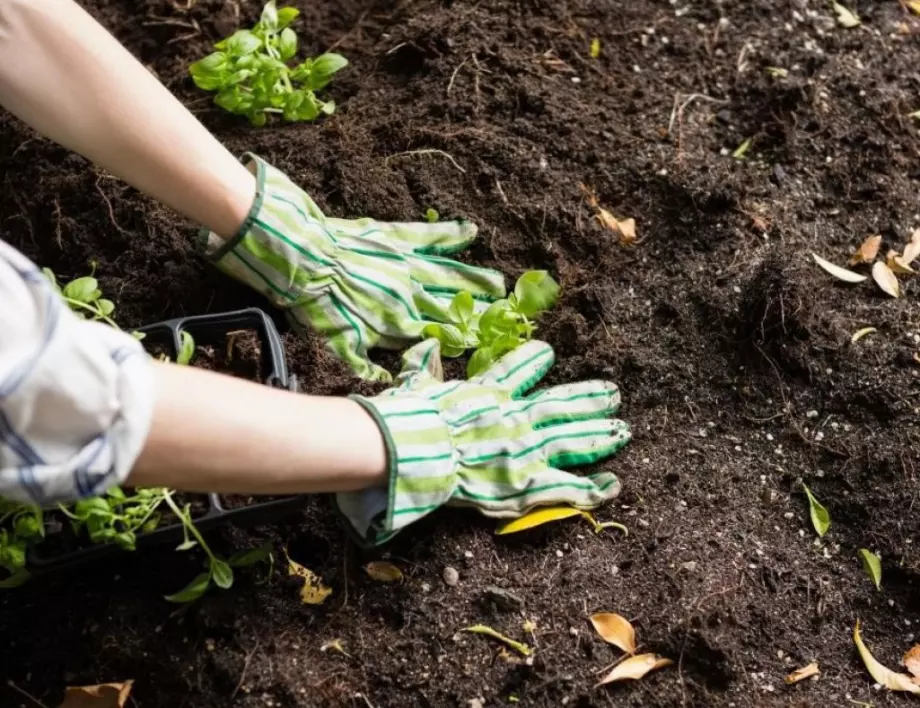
(187, 522)
(94, 310)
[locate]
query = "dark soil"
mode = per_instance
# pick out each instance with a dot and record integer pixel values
(731, 346)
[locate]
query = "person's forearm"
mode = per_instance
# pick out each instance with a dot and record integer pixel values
(67, 77)
(214, 433)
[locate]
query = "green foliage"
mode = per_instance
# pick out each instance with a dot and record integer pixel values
(21, 526)
(820, 518)
(432, 216)
(252, 74)
(502, 327)
(872, 566)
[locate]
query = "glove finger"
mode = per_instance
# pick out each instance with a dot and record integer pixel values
(345, 334)
(545, 487)
(585, 400)
(440, 238)
(421, 364)
(584, 442)
(520, 369)
(448, 277)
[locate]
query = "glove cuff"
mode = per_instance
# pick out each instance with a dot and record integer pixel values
(421, 462)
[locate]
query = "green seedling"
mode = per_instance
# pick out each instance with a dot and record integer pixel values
(21, 525)
(432, 216)
(252, 74)
(501, 328)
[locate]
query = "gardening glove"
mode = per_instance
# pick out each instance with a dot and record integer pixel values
(482, 443)
(360, 283)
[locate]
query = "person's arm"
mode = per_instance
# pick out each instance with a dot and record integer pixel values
(214, 433)
(68, 78)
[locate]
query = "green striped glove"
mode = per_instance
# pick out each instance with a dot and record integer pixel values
(359, 283)
(482, 443)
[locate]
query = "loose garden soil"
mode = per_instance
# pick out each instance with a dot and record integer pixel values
(732, 349)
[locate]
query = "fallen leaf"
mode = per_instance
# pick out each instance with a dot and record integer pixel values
(760, 223)
(615, 629)
(803, 673)
(777, 72)
(912, 249)
(867, 252)
(529, 626)
(820, 518)
(912, 661)
(915, 114)
(891, 680)
(313, 591)
(336, 646)
(635, 667)
(896, 263)
(885, 279)
(383, 572)
(595, 48)
(914, 6)
(917, 358)
(859, 334)
(538, 517)
(873, 566)
(843, 274)
(103, 695)
(625, 229)
(519, 647)
(846, 18)
(742, 149)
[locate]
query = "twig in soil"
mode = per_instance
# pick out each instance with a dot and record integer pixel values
(356, 26)
(239, 684)
(23, 692)
(453, 76)
(426, 151)
(361, 695)
(57, 224)
(501, 192)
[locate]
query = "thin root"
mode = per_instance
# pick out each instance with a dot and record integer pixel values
(427, 151)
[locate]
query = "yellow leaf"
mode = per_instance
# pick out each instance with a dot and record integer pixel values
(742, 149)
(846, 18)
(897, 264)
(777, 72)
(859, 334)
(889, 679)
(912, 661)
(336, 646)
(529, 626)
(914, 5)
(538, 517)
(519, 647)
(843, 274)
(595, 48)
(867, 252)
(383, 572)
(803, 673)
(615, 629)
(104, 695)
(313, 591)
(885, 279)
(635, 667)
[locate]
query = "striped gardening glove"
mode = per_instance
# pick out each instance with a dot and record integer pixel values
(359, 283)
(483, 444)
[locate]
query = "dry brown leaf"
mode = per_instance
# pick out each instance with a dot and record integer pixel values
(912, 249)
(885, 279)
(635, 667)
(383, 572)
(897, 264)
(625, 229)
(313, 592)
(912, 661)
(848, 276)
(867, 252)
(891, 680)
(803, 673)
(615, 629)
(103, 695)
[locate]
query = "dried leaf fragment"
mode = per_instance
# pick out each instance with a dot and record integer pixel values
(635, 667)
(615, 629)
(912, 249)
(846, 18)
(383, 572)
(848, 276)
(914, 6)
(625, 229)
(742, 149)
(896, 263)
(891, 680)
(885, 279)
(595, 48)
(912, 661)
(867, 252)
(336, 646)
(860, 333)
(103, 695)
(519, 647)
(313, 591)
(803, 673)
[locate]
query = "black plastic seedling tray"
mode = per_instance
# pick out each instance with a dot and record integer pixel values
(204, 329)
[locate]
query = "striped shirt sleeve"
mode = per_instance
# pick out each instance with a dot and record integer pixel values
(76, 397)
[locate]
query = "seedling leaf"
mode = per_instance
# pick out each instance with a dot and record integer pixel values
(891, 680)
(82, 289)
(820, 518)
(383, 572)
(867, 251)
(519, 647)
(451, 338)
(104, 695)
(313, 591)
(432, 216)
(873, 566)
(846, 18)
(193, 590)
(536, 292)
(222, 573)
(186, 350)
(843, 274)
(461, 307)
(243, 559)
(742, 150)
(537, 517)
(15, 580)
(803, 673)
(914, 6)
(635, 667)
(615, 629)
(480, 361)
(897, 264)
(885, 279)
(859, 334)
(595, 48)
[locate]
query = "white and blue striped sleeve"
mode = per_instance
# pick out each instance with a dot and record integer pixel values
(76, 397)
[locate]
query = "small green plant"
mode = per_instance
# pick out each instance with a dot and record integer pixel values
(21, 526)
(84, 297)
(251, 74)
(820, 518)
(502, 327)
(432, 216)
(115, 517)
